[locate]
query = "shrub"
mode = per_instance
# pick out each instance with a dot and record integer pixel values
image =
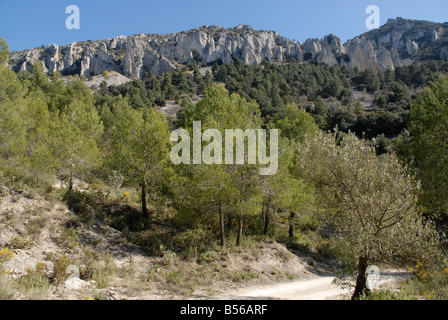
(80, 203)
(21, 242)
(5, 289)
(60, 265)
(209, 256)
(387, 294)
(99, 268)
(241, 276)
(430, 282)
(35, 227)
(70, 238)
(6, 254)
(192, 242)
(35, 278)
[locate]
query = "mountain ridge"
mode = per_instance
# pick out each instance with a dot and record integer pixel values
(398, 42)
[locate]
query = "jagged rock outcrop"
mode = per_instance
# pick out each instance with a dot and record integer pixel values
(411, 40)
(137, 54)
(363, 55)
(398, 42)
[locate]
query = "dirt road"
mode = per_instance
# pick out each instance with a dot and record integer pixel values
(315, 288)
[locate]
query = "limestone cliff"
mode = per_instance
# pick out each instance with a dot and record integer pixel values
(397, 43)
(134, 55)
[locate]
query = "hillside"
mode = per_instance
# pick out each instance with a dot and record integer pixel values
(46, 237)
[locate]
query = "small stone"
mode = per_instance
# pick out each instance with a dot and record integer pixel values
(74, 284)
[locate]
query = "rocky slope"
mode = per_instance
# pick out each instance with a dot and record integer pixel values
(398, 42)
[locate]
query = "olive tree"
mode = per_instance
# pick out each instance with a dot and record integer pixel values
(372, 203)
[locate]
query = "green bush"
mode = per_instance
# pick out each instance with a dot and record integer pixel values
(60, 265)
(192, 242)
(209, 256)
(70, 238)
(430, 281)
(21, 242)
(35, 278)
(81, 203)
(387, 294)
(97, 267)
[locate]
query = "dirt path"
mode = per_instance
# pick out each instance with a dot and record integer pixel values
(315, 288)
(318, 288)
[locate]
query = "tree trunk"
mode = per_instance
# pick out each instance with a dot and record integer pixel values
(267, 221)
(291, 225)
(144, 208)
(263, 210)
(222, 227)
(229, 221)
(70, 183)
(361, 287)
(239, 238)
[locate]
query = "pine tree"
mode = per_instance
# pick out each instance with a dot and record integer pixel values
(12, 125)
(227, 189)
(428, 147)
(73, 140)
(140, 148)
(283, 193)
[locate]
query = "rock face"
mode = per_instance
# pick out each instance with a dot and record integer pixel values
(326, 51)
(398, 42)
(134, 55)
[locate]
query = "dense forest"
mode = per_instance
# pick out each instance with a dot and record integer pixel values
(359, 185)
(327, 93)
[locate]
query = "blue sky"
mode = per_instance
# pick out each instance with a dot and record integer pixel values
(29, 24)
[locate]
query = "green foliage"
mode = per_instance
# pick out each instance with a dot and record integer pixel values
(139, 149)
(97, 267)
(12, 126)
(12, 131)
(73, 138)
(35, 278)
(219, 188)
(71, 238)
(283, 193)
(274, 86)
(40, 160)
(11, 89)
(366, 81)
(371, 201)
(60, 265)
(139, 143)
(4, 52)
(428, 147)
(429, 282)
(21, 242)
(319, 112)
(296, 125)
